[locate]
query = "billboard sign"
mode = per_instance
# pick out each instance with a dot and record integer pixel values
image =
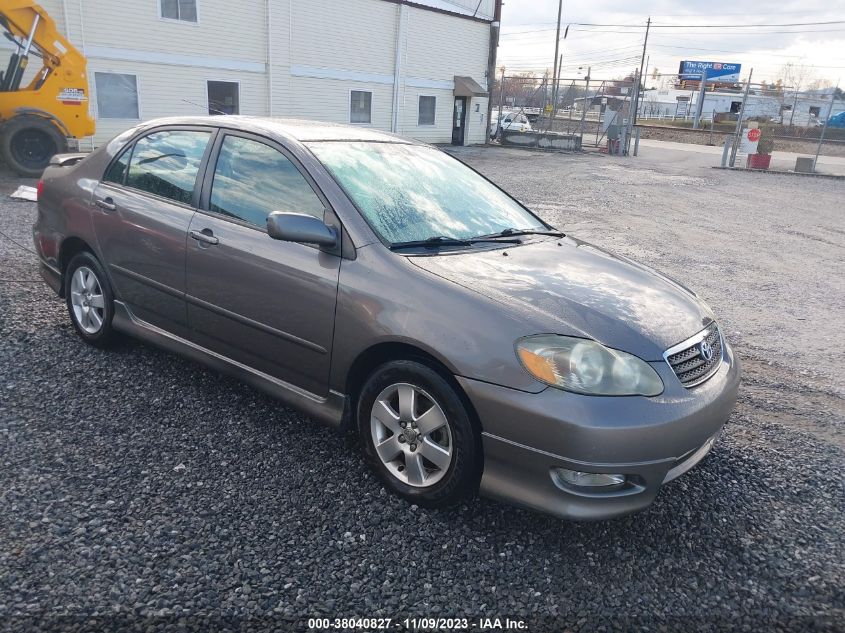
(717, 71)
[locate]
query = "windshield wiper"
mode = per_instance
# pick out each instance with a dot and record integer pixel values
(513, 232)
(442, 240)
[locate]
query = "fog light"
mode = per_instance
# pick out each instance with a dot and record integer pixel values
(587, 480)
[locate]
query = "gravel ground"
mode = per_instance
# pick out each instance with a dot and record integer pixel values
(140, 490)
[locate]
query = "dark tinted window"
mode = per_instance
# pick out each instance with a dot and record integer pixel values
(360, 106)
(185, 10)
(166, 163)
(428, 106)
(252, 179)
(117, 171)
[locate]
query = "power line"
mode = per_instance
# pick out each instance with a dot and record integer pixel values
(579, 55)
(721, 50)
(741, 33)
(712, 26)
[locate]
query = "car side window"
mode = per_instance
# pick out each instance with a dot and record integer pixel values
(116, 173)
(166, 163)
(252, 179)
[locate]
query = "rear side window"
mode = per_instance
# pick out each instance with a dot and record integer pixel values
(251, 180)
(166, 163)
(117, 172)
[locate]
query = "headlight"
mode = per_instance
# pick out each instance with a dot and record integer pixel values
(585, 366)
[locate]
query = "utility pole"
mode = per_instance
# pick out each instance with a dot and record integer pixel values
(824, 129)
(699, 109)
(739, 118)
(501, 103)
(556, 94)
(632, 108)
(584, 108)
(642, 63)
(495, 27)
(557, 50)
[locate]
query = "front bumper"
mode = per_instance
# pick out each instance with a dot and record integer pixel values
(650, 440)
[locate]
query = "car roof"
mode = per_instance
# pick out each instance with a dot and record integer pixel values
(302, 130)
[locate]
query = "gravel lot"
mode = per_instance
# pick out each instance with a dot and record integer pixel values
(139, 490)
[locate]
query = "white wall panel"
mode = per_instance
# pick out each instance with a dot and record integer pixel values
(316, 52)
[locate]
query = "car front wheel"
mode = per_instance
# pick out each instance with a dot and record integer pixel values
(417, 434)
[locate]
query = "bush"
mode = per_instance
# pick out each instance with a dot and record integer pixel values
(767, 141)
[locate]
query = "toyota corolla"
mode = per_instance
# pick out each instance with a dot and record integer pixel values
(382, 286)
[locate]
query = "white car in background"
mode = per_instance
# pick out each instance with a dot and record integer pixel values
(510, 121)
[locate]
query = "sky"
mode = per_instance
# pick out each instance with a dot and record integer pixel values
(528, 36)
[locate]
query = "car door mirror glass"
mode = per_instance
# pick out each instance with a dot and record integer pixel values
(300, 227)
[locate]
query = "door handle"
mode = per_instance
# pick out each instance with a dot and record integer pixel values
(205, 236)
(107, 204)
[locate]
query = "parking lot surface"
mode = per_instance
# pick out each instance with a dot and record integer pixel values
(142, 489)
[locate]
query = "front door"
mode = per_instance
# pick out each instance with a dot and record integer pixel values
(264, 303)
(459, 119)
(143, 207)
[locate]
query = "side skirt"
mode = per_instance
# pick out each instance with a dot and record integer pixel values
(329, 410)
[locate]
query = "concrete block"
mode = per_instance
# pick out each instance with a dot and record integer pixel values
(541, 140)
(804, 165)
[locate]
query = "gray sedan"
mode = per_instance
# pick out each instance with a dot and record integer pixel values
(380, 285)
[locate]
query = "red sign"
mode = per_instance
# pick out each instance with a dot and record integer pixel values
(754, 135)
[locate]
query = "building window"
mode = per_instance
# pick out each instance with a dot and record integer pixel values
(360, 106)
(815, 111)
(184, 10)
(223, 97)
(117, 96)
(428, 106)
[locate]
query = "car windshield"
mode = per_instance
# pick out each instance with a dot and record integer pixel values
(411, 192)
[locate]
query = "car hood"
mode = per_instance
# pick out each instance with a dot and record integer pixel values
(570, 287)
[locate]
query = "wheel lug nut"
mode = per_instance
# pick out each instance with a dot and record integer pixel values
(401, 440)
(413, 447)
(403, 424)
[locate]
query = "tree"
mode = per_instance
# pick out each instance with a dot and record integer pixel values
(520, 89)
(792, 78)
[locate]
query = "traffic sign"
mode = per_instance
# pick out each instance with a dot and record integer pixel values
(748, 141)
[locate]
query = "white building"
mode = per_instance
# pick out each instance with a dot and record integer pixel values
(810, 109)
(417, 67)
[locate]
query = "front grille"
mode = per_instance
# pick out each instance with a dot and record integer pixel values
(688, 360)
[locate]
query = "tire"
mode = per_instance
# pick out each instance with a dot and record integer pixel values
(27, 143)
(419, 470)
(85, 281)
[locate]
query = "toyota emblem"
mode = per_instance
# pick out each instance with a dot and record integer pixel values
(706, 350)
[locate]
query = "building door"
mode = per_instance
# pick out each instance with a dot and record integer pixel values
(459, 119)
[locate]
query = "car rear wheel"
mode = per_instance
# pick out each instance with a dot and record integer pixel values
(417, 434)
(90, 300)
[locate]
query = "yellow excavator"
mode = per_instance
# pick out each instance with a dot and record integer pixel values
(37, 119)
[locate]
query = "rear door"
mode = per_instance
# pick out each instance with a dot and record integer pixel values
(264, 303)
(144, 206)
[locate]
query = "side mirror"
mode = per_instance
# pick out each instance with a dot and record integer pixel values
(302, 228)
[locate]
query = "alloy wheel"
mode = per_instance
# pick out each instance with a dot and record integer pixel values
(86, 297)
(411, 435)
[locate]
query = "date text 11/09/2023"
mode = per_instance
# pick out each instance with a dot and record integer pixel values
(416, 624)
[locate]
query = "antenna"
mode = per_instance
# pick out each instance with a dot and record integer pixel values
(210, 109)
